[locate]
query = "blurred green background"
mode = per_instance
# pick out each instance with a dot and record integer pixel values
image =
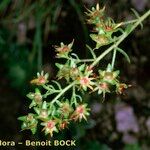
(28, 31)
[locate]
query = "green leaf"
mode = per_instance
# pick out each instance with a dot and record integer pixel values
(92, 52)
(137, 15)
(76, 56)
(123, 53)
(128, 29)
(58, 85)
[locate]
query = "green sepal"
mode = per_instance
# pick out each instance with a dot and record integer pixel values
(36, 110)
(22, 118)
(37, 90)
(60, 66)
(30, 95)
(44, 105)
(109, 68)
(82, 67)
(33, 130)
(33, 103)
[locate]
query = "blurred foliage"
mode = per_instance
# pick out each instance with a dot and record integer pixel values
(28, 29)
(132, 147)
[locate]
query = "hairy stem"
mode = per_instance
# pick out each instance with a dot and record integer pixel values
(62, 92)
(113, 58)
(129, 22)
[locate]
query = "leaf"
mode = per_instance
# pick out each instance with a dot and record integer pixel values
(51, 87)
(58, 85)
(128, 29)
(76, 56)
(80, 98)
(92, 52)
(123, 53)
(137, 15)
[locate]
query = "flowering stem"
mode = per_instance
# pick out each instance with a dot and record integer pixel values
(62, 92)
(113, 58)
(92, 52)
(125, 34)
(81, 60)
(85, 60)
(129, 22)
(73, 98)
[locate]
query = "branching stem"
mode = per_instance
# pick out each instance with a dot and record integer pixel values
(62, 92)
(121, 39)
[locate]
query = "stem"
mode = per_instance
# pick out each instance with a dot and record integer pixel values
(62, 92)
(86, 60)
(49, 93)
(121, 39)
(129, 22)
(73, 98)
(92, 52)
(113, 59)
(80, 60)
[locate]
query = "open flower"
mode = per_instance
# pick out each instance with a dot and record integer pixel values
(41, 79)
(85, 82)
(102, 88)
(80, 113)
(49, 127)
(63, 50)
